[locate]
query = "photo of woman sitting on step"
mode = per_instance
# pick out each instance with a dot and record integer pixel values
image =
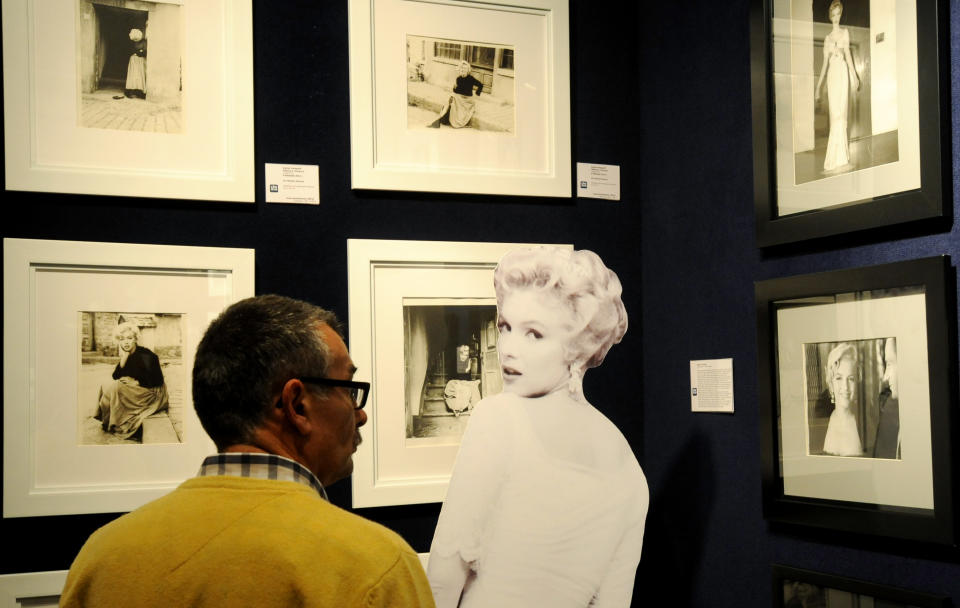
(461, 106)
(138, 389)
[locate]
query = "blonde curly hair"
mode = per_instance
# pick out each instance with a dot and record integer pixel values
(579, 280)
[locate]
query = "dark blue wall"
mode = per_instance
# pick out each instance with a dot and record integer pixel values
(707, 542)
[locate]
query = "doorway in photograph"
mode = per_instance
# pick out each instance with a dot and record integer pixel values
(131, 378)
(450, 363)
(460, 85)
(846, 112)
(130, 61)
(852, 397)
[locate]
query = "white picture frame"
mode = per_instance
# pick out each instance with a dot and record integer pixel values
(382, 275)
(35, 589)
(535, 160)
(209, 157)
(46, 469)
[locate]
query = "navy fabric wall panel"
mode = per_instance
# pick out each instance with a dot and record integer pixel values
(707, 542)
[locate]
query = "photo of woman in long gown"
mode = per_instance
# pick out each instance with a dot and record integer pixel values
(839, 70)
(138, 389)
(547, 502)
(844, 375)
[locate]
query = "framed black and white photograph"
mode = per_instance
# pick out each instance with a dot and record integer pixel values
(450, 363)
(143, 98)
(799, 588)
(847, 98)
(122, 86)
(852, 398)
(460, 96)
(130, 386)
(98, 341)
(855, 383)
(430, 305)
(460, 84)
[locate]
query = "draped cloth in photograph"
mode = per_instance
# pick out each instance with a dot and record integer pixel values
(136, 73)
(462, 109)
(124, 405)
(138, 391)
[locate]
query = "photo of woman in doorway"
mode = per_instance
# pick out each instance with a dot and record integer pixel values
(121, 88)
(136, 85)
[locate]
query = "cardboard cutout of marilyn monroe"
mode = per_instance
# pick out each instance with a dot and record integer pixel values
(547, 503)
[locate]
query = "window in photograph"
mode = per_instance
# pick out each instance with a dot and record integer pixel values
(447, 50)
(506, 59)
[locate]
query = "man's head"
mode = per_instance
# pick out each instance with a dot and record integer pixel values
(247, 388)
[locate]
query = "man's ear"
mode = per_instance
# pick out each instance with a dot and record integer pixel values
(293, 407)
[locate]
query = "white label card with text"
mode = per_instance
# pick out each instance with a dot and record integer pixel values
(292, 183)
(598, 181)
(711, 385)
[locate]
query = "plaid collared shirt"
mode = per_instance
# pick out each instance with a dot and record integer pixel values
(260, 466)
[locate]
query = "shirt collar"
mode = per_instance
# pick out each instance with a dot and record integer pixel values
(260, 466)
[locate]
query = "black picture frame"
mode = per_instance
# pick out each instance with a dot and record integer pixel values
(864, 195)
(807, 484)
(790, 583)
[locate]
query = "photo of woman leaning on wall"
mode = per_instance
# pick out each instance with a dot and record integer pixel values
(853, 398)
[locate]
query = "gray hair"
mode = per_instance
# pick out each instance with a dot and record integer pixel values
(246, 356)
(589, 290)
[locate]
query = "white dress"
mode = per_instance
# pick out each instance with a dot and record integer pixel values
(842, 437)
(838, 95)
(537, 530)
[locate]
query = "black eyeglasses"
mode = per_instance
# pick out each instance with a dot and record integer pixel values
(358, 390)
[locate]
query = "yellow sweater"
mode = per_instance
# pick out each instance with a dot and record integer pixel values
(235, 541)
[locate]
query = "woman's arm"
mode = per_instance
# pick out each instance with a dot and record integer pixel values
(823, 71)
(478, 474)
(477, 84)
(447, 575)
(616, 589)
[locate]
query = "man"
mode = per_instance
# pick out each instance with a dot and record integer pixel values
(272, 386)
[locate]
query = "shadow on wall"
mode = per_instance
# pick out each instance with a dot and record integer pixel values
(676, 525)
